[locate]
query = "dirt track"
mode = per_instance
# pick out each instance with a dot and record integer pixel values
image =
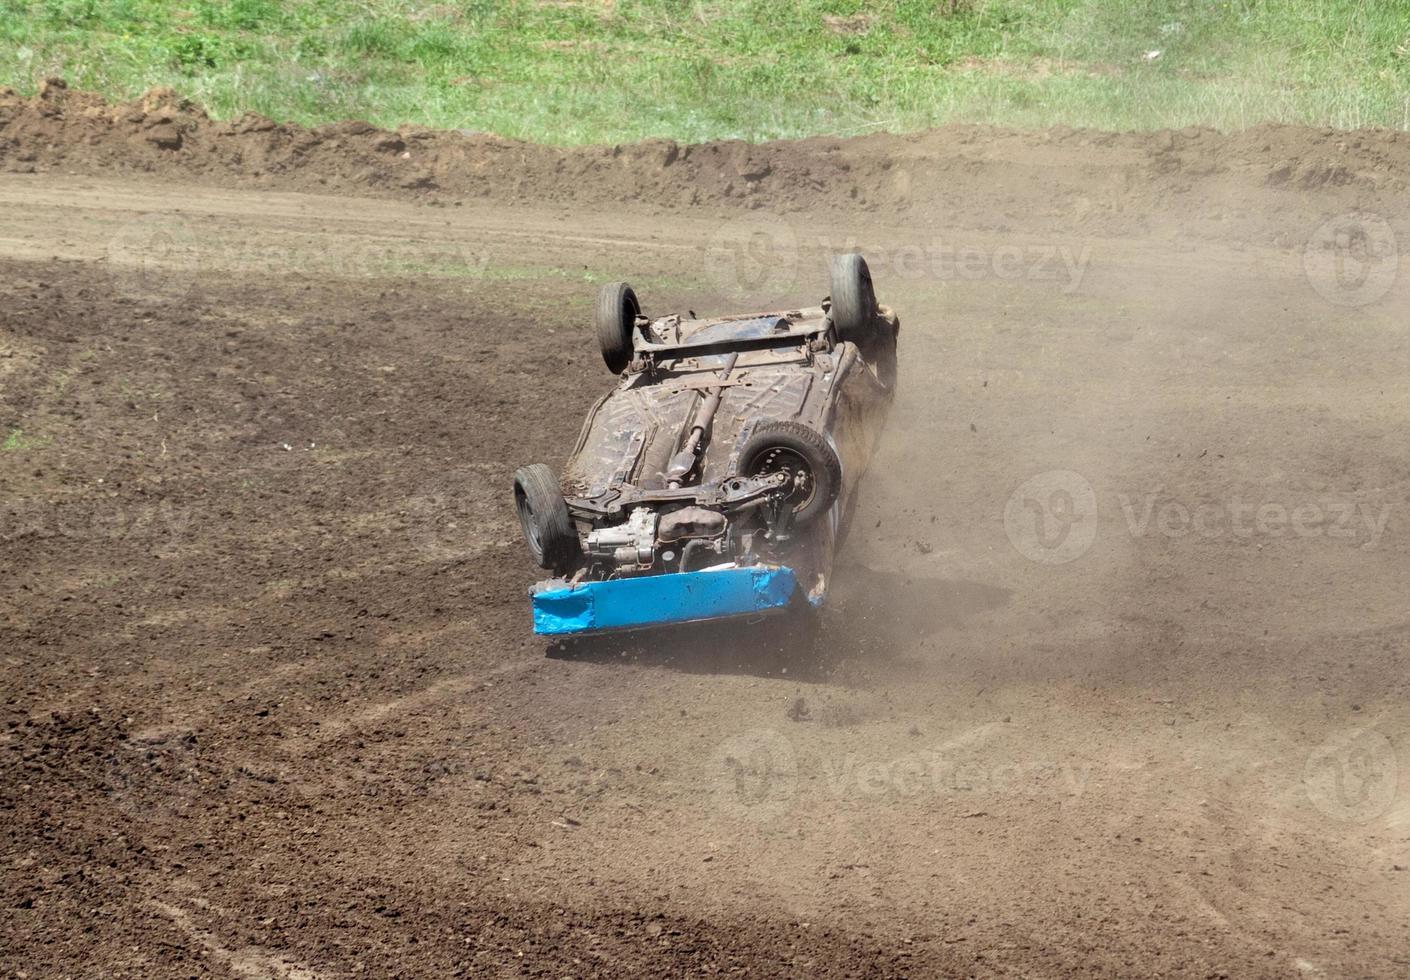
(271, 703)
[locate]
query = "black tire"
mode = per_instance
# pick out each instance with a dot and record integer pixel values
(792, 446)
(543, 514)
(617, 310)
(853, 299)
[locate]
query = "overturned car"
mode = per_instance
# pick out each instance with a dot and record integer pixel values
(715, 479)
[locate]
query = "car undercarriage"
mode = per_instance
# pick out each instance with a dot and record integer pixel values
(730, 448)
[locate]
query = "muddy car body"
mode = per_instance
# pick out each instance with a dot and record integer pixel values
(715, 479)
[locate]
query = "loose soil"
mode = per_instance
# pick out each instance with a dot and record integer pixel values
(271, 706)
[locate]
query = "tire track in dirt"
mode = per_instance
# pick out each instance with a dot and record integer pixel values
(452, 691)
(243, 961)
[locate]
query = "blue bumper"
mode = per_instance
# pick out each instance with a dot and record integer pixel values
(656, 600)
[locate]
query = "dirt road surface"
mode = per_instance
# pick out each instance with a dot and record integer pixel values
(1114, 682)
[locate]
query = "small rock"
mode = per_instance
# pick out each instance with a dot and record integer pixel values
(164, 136)
(754, 170)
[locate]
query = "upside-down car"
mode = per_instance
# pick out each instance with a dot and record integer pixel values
(715, 479)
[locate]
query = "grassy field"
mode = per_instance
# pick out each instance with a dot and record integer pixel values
(580, 71)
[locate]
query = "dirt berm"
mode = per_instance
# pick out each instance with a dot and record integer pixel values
(1066, 179)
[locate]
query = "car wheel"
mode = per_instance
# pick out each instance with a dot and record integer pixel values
(617, 310)
(853, 299)
(805, 455)
(543, 514)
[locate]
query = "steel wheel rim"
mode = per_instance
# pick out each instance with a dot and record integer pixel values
(781, 459)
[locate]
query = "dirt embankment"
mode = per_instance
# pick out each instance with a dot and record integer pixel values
(1075, 179)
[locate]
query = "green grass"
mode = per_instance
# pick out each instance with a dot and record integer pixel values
(575, 71)
(18, 442)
